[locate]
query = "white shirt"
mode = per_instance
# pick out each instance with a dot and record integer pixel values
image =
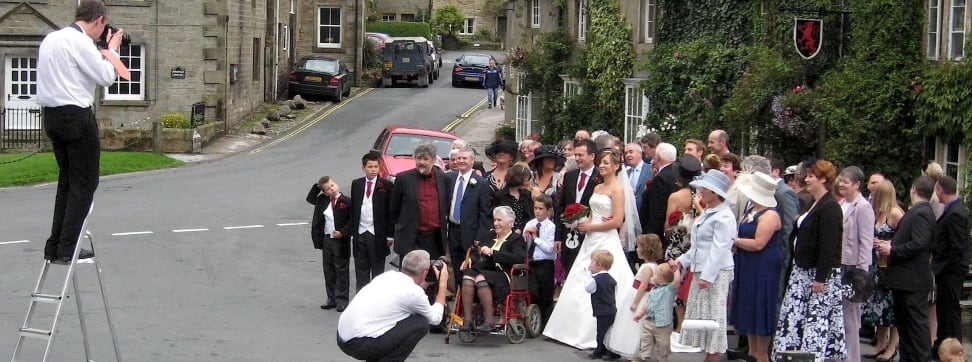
(590, 285)
(366, 221)
(635, 174)
(388, 299)
(329, 216)
(465, 188)
(587, 179)
(69, 67)
(545, 242)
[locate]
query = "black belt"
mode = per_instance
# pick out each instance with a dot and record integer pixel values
(541, 261)
(67, 107)
(420, 232)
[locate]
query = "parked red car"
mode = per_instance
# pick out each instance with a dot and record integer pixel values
(396, 143)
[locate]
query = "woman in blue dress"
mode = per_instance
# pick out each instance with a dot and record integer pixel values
(758, 264)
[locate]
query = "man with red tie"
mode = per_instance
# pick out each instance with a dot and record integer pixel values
(578, 188)
(369, 224)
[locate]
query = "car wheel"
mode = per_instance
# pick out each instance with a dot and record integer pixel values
(347, 92)
(431, 78)
(339, 97)
(456, 84)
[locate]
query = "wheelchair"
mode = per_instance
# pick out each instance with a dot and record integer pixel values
(518, 317)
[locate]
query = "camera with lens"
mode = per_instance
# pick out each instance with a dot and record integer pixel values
(436, 264)
(103, 39)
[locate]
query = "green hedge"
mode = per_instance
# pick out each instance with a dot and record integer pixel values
(401, 28)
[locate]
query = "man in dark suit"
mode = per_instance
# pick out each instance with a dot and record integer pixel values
(331, 215)
(369, 223)
(655, 204)
(469, 213)
(950, 260)
(907, 274)
(419, 205)
(578, 187)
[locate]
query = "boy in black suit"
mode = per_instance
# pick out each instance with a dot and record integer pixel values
(330, 217)
(602, 287)
(370, 198)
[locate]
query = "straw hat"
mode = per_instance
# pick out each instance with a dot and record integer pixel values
(715, 181)
(760, 188)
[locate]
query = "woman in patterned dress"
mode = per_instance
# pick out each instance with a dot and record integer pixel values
(877, 310)
(811, 319)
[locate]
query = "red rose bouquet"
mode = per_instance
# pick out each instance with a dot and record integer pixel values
(681, 221)
(674, 217)
(574, 214)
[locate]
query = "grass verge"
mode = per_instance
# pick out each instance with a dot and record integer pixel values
(42, 167)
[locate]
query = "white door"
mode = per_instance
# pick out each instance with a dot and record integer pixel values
(21, 111)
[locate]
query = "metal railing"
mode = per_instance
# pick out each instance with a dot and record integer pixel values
(22, 128)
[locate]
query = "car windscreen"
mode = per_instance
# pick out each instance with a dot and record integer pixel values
(475, 60)
(320, 65)
(404, 144)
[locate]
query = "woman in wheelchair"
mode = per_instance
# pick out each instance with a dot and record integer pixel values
(484, 272)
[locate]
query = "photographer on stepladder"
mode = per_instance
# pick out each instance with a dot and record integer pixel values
(390, 315)
(69, 68)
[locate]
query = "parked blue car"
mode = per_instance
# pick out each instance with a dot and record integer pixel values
(470, 68)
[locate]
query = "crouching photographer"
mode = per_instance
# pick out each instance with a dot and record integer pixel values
(390, 315)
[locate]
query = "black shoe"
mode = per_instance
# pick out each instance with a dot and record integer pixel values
(328, 306)
(466, 327)
(893, 356)
(610, 356)
(873, 356)
(85, 254)
(595, 355)
(489, 106)
(341, 308)
(486, 328)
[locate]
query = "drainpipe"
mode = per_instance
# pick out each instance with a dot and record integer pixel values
(359, 35)
(276, 47)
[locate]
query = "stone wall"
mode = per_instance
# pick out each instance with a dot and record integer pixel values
(173, 140)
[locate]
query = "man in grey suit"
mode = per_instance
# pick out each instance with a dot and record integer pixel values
(419, 205)
(907, 274)
(469, 211)
(639, 173)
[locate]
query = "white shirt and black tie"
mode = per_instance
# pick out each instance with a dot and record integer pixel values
(542, 245)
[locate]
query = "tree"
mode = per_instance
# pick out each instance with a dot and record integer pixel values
(448, 20)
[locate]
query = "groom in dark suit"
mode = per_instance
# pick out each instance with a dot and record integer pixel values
(908, 274)
(419, 205)
(369, 223)
(950, 260)
(578, 187)
(469, 210)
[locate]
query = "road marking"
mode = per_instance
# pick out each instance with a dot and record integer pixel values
(311, 123)
(188, 230)
(14, 242)
(242, 227)
(133, 233)
(292, 224)
(465, 115)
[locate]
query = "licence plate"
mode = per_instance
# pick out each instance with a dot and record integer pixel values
(472, 79)
(406, 60)
(311, 78)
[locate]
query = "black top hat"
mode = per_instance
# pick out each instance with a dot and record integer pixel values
(548, 151)
(686, 169)
(502, 146)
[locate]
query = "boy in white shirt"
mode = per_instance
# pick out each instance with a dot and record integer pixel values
(540, 233)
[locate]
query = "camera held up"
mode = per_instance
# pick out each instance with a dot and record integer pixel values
(103, 39)
(434, 266)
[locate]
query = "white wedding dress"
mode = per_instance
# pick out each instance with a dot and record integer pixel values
(572, 321)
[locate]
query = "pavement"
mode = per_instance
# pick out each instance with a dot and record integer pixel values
(478, 128)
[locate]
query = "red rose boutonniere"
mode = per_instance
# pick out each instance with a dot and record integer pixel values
(648, 183)
(379, 186)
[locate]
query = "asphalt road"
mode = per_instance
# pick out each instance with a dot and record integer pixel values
(213, 261)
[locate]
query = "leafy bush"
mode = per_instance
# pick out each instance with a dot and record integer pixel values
(448, 20)
(176, 120)
(401, 28)
(483, 35)
(371, 57)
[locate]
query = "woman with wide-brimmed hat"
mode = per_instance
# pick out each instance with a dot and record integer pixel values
(546, 165)
(710, 260)
(758, 263)
(503, 154)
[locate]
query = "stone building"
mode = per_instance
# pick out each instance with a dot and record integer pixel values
(230, 55)
(477, 13)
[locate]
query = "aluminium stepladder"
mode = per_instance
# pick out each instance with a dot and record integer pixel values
(38, 297)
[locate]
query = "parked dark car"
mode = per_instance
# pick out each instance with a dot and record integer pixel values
(407, 60)
(322, 76)
(470, 68)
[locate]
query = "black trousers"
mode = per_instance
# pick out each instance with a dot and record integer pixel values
(542, 286)
(633, 259)
(336, 254)
(603, 324)
(394, 345)
(369, 259)
(911, 317)
(73, 132)
(948, 288)
(456, 251)
(430, 242)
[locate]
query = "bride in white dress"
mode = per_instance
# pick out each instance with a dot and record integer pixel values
(572, 321)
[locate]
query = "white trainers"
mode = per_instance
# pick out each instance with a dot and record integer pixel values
(678, 347)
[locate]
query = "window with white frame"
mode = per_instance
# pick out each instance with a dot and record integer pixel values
(933, 34)
(650, 8)
(635, 108)
(408, 17)
(293, 9)
(524, 121)
(571, 88)
(133, 56)
(329, 27)
(535, 14)
(388, 17)
(467, 26)
(582, 21)
(957, 30)
(951, 164)
(285, 36)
